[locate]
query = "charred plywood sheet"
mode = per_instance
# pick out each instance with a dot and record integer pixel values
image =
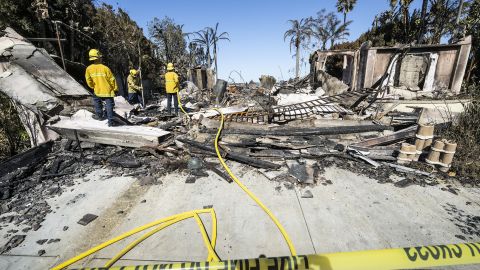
(444, 71)
(40, 65)
(380, 64)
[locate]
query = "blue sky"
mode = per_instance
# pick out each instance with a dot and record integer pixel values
(256, 28)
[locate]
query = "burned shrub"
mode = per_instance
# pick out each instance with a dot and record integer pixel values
(465, 131)
(13, 136)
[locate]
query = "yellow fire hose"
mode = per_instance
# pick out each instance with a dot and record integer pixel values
(212, 256)
(165, 222)
(242, 186)
(181, 107)
(161, 223)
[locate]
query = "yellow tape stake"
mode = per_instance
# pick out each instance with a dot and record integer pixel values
(244, 188)
(400, 258)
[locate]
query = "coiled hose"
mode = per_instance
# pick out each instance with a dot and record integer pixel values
(161, 223)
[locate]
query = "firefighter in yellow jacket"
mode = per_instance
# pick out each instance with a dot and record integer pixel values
(134, 88)
(171, 86)
(101, 79)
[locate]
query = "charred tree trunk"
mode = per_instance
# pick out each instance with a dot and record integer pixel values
(297, 60)
(215, 58)
(423, 25)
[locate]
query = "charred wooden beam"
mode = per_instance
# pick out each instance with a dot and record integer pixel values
(304, 132)
(389, 139)
(213, 168)
(32, 156)
(232, 156)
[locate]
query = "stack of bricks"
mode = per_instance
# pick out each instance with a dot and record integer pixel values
(407, 153)
(424, 139)
(441, 154)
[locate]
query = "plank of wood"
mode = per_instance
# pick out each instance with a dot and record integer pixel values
(90, 130)
(232, 156)
(32, 156)
(389, 139)
(274, 154)
(111, 137)
(304, 131)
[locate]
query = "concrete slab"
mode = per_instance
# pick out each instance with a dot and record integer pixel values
(93, 196)
(9, 262)
(354, 213)
(357, 213)
(244, 230)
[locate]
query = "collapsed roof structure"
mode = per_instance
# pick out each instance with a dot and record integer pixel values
(37, 85)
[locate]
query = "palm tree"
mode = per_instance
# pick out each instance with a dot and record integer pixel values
(320, 33)
(299, 32)
(335, 29)
(215, 38)
(404, 9)
(329, 28)
(318, 28)
(345, 6)
(204, 39)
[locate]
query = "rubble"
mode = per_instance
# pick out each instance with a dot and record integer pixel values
(290, 131)
(12, 243)
(307, 194)
(331, 86)
(86, 219)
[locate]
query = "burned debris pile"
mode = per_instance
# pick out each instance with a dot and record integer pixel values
(290, 131)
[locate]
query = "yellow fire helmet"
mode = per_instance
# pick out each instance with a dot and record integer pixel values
(170, 67)
(133, 72)
(94, 54)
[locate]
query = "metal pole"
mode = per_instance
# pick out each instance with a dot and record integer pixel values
(72, 41)
(60, 46)
(46, 39)
(140, 68)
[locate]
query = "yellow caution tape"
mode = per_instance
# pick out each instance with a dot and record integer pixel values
(400, 258)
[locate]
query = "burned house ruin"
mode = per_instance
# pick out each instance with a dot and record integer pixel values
(405, 71)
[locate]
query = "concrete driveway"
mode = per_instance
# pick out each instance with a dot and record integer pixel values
(353, 213)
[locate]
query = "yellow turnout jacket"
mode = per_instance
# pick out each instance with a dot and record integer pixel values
(133, 84)
(171, 82)
(100, 78)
